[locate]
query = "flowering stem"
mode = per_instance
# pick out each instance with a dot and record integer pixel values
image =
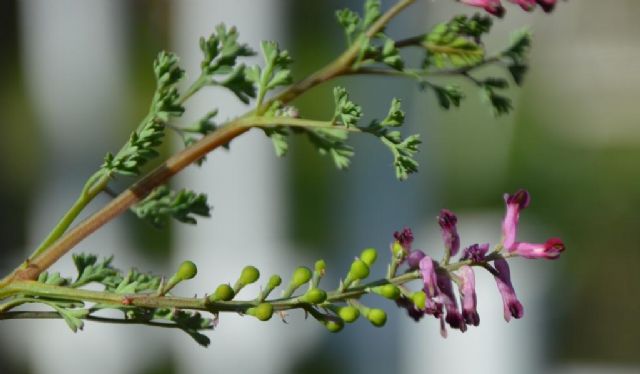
(152, 300)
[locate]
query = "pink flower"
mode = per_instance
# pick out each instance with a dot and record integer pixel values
(430, 286)
(512, 306)
(468, 297)
(515, 203)
(491, 6)
(495, 7)
(550, 249)
(527, 5)
(437, 287)
(447, 298)
(447, 221)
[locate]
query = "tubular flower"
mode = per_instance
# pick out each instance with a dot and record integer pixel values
(468, 297)
(447, 221)
(512, 306)
(491, 6)
(550, 249)
(447, 298)
(515, 203)
(430, 286)
(529, 5)
(495, 6)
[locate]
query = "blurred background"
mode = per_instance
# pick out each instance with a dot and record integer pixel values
(75, 78)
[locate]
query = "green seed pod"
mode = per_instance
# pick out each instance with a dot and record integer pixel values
(349, 313)
(359, 270)
(249, 275)
(314, 296)
(187, 270)
(274, 282)
(334, 324)
(369, 256)
(224, 292)
(301, 276)
(320, 266)
(263, 311)
(377, 317)
(388, 291)
(419, 299)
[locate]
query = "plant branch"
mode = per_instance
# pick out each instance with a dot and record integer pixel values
(223, 135)
(56, 315)
(153, 300)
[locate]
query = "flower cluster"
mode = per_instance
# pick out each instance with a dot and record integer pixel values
(495, 6)
(438, 297)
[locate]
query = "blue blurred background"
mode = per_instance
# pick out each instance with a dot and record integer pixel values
(75, 77)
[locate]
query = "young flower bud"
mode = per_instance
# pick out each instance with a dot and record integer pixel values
(349, 313)
(263, 311)
(318, 272)
(249, 275)
(419, 299)
(314, 296)
(389, 291)
(359, 270)
(187, 270)
(334, 324)
(377, 317)
(320, 266)
(224, 292)
(369, 256)
(274, 281)
(301, 276)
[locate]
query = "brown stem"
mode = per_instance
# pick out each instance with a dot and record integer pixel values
(182, 159)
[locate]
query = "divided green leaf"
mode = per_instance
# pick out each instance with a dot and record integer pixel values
(162, 204)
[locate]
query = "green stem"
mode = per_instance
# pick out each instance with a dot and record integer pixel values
(195, 87)
(95, 184)
(56, 315)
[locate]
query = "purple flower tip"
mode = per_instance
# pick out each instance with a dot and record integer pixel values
(490, 6)
(512, 306)
(475, 252)
(408, 305)
(447, 221)
(522, 198)
(404, 237)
